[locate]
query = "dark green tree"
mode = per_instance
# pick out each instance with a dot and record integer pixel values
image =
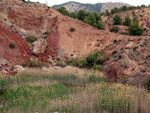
(124, 8)
(100, 25)
(63, 11)
(107, 13)
(102, 13)
(117, 20)
(135, 29)
(73, 15)
(97, 16)
(127, 21)
(113, 11)
(82, 14)
(90, 19)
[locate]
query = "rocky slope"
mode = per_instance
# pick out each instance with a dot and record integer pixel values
(129, 55)
(143, 16)
(98, 7)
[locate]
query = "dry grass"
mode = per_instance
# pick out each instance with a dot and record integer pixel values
(94, 97)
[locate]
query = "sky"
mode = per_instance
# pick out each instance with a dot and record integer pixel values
(132, 2)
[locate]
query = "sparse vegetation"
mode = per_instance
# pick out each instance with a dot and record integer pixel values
(92, 61)
(12, 45)
(31, 38)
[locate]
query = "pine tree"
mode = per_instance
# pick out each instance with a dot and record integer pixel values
(117, 20)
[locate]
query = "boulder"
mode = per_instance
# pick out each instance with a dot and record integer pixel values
(129, 45)
(39, 46)
(18, 68)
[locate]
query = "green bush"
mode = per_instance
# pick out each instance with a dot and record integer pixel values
(95, 58)
(34, 63)
(73, 62)
(31, 38)
(136, 30)
(12, 45)
(83, 63)
(114, 52)
(98, 67)
(114, 29)
(72, 29)
(24, 64)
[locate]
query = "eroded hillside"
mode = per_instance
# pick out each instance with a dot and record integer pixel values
(129, 55)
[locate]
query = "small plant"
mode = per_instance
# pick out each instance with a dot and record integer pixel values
(122, 49)
(35, 63)
(31, 38)
(114, 52)
(115, 41)
(24, 64)
(114, 29)
(12, 45)
(72, 29)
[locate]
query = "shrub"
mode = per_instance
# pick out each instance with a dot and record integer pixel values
(114, 52)
(95, 58)
(12, 45)
(117, 20)
(136, 30)
(61, 64)
(98, 67)
(35, 63)
(72, 62)
(24, 64)
(72, 29)
(114, 29)
(31, 38)
(83, 63)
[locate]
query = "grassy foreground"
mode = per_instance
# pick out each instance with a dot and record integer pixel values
(45, 92)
